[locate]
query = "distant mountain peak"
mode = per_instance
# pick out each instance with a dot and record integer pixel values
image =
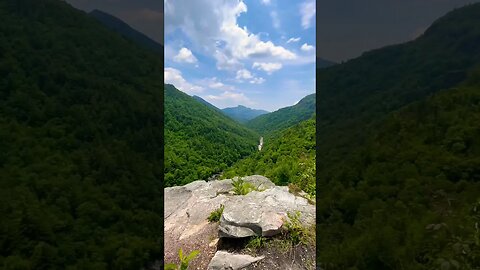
(242, 113)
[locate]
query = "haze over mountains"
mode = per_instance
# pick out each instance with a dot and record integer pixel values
(242, 113)
(398, 134)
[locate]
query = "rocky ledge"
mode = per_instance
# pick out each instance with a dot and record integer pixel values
(258, 213)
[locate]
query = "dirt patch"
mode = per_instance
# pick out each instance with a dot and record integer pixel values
(278, 253)
(200, 241)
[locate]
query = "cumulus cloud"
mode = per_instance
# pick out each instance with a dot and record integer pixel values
(267, 67)
(215, 83)
(228, 98)
(266, 2)
(174, 76)
(185, 56)
(307, 10)
(245, 75)
(307, 48)
(213, 27)
(293, 40)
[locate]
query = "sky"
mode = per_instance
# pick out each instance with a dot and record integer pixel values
(347, 28)
(256, 53)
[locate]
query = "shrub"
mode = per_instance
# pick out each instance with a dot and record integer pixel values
(256, 242)
(240, 187)
(216, 214)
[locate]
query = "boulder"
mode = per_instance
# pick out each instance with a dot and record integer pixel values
(229, 261)
(257, 213)
(262, 213)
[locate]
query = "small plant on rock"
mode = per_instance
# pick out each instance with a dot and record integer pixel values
(256, 243)
(295, 232)
(216, 214)
(240, 187)
(184, 260)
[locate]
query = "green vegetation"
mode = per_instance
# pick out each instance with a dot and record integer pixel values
(200, 141)
(255, 243)
(241, 187)
(216, 214)
(295, 233)
(184, 260)
(399, 172)
(289, 158)
(270, 124)
(80, 142)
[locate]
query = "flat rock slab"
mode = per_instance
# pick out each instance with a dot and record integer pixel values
(257, 213)
(229, 261)
(263, 213)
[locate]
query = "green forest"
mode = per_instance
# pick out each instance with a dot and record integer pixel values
(399, 153)
(199, 140)
(289, 158)
(271, 124)
(80, 142)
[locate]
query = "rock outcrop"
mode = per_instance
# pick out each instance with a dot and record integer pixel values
(260, 213)
(228, 261)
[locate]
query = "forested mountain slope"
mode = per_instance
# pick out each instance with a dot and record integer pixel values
(399, 153)
(80, 142)
(272, 123)
(200, 141)
(290, 158)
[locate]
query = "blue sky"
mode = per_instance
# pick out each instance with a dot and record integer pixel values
(257, 53)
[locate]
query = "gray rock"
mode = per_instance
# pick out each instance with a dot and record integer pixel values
(229, 261)
(262, 213)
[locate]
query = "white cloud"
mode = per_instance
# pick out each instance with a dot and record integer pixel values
(307, 48)
(243, 74)
(228, 99)
(266, 2)
(257, 80)
(267, 67)
(212, 26)
(293, 40)
(174, 76)
(214, 83)
(307, 10)
(185, 56)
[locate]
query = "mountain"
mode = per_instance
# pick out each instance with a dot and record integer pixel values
(287, 159)
(322, 63)
(243, 114)
(199, 140)
(271, 123)
(201, 100)
(398, 134)
(126, 31)
(81, 146)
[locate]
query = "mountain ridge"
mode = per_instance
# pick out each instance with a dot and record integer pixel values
(200, 140)
(242, 113)
(271, 123)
